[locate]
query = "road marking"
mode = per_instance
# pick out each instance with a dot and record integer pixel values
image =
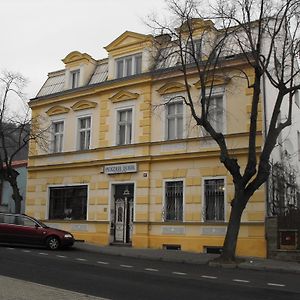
(241, 280)
(126, 266)
(178, 273)
(26, 251)
(81, 259)
(61, 256)
(42, 253)
(209, 277)
(102, 262)
(10, 248)
(151, 270)
(275, 284)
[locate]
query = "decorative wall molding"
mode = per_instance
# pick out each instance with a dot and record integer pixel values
(123, 96)
(57, 110)
(171, 87)
(83, 104)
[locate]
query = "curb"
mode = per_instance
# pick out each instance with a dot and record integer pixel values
(248, 265)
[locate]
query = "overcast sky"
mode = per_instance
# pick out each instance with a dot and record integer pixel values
(37, 34)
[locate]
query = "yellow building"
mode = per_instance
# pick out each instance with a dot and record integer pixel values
(126, 165)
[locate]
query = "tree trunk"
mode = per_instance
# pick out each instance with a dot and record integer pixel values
(230, 242)
(12, 176)
(17, 198)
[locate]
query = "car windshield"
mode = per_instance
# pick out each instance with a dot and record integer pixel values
(40, 223)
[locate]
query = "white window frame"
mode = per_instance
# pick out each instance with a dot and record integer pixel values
(164, 200)
(85, 130)
(167, 100)
(60, 136)
(126, 124)
(204, 202)
(67, 185)
(123, 107)
(197, 49)
(133, 65)
(74, 78)
(218, 91)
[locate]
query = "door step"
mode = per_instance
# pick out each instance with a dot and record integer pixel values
(120, 244)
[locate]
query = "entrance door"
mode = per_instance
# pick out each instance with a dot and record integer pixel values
(123, 217)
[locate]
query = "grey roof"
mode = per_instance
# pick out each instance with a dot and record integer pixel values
(100, 73)
(168, 58)
(54, 84)
(56, 80)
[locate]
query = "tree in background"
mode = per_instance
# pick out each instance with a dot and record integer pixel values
(261, 35)
(15, 133)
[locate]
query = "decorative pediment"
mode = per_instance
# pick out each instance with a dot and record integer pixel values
(57, 110)
(213, 81)
(171, 87)
(77, 56)
(83, 104)
(196, 24)
(128, 38)
(123, 96)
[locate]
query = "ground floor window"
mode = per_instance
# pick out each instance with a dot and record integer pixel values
(68, 202)
(173, 201)
(214, 199)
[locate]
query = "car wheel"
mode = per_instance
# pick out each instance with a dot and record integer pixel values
(52, 243)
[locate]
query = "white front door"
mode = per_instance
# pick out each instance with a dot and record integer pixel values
(123, 213)
(120, 216)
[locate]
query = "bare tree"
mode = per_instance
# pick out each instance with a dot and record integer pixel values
(262, 36)
(15, 133)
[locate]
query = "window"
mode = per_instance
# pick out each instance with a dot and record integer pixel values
(124, 130)
(68, 202)
(216, 112)
(84, 133)
(173, 201)
(58, 136)
(174, 119)
(192, 54)
(214, 199)
(129, 65)
(75, 79)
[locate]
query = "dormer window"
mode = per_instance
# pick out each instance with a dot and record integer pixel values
(75, 79)
(129, 65)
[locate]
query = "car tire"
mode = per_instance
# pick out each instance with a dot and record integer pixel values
(52, 243)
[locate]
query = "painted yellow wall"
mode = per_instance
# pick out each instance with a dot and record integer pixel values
(190, 160)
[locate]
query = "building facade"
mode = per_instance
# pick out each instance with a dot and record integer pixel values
(125, 165)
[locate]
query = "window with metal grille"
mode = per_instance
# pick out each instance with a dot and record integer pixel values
(174, 201)
(214, 199)
(68, 202)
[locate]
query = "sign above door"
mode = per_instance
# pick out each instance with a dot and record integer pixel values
(120, 168)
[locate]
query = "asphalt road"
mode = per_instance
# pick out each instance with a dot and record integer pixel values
(114, 277)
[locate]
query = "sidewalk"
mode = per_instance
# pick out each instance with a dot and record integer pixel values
(15, 289)
(192, 258)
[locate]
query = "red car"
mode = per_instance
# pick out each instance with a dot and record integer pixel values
(22, 229)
